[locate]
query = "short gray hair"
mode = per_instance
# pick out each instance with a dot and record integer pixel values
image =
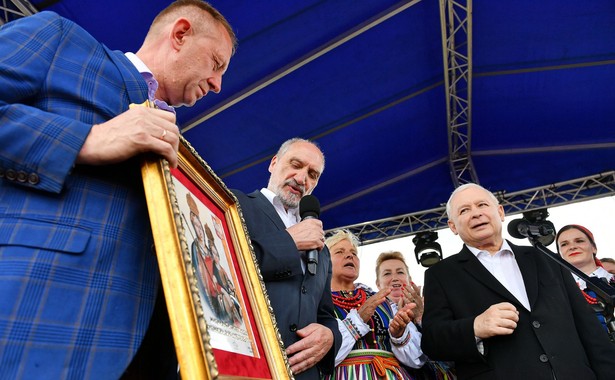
(464, 187)
(286, 145)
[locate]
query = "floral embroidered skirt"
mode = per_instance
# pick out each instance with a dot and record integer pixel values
(369, 365)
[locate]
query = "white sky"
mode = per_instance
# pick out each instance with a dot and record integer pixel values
(596, 215)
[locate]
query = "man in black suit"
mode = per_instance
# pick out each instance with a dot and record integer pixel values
(301, 301)
(501, 311)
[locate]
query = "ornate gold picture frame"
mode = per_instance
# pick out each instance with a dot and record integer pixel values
(222, 322)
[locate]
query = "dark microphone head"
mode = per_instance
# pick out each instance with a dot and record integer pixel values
(518, 228)
(309, 206)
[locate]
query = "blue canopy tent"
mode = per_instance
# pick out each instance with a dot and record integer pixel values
(370, 82)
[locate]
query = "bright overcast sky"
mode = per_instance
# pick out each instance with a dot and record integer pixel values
(597, 215)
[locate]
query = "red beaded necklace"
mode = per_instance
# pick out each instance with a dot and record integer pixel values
(353, 302)
(590, 300)
(348, 300)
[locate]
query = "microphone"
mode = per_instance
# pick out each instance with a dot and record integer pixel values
(309, 208)
(543, 231)
(518, 228)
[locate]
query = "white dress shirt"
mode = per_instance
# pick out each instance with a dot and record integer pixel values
(290, 217)
(503, 266)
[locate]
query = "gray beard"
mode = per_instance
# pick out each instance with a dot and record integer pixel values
(289, 200)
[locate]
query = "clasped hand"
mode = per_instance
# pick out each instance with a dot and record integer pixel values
(398, 324)
(404, 315)
(138, 130)
(316, 341)
(369, 307)
(498, 319)
(308, 234)
(412, 294)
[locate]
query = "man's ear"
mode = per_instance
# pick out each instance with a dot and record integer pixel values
(274, 160)
(451, 225)
(501, 212)
(181, 29)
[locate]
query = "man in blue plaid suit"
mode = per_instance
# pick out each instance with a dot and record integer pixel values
(78, 276)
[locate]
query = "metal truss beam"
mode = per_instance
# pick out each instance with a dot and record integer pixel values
(456, 25)
(557, 194)
(14, 9)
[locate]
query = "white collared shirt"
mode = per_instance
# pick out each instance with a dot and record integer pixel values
(599, 272)
(503, 266)
(141, 67)
(290, 217)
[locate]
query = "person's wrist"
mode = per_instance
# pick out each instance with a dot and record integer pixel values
(396, 334)
(397, 340)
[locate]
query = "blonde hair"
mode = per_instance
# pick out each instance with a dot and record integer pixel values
(185, 8)
(390, 255)
(340, 235)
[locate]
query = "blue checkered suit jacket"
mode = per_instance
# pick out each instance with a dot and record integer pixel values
(78, 276)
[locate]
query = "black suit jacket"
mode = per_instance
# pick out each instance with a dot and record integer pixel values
(560, 336)
(297, 299)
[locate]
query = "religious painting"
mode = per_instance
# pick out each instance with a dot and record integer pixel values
(222, 322)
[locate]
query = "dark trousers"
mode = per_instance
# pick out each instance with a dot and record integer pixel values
(156, 358)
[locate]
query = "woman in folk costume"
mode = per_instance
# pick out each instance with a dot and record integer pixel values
(376, 340)
(577, 246)
(392, 273)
